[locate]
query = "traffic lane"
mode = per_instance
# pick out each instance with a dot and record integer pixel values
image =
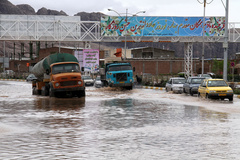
(210, 104)
(20, 91)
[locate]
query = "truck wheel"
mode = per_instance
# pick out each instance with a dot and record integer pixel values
(231, 99)
(51, 93)
(34, 91)
(129, 88)
(81, 94)
(44, 91)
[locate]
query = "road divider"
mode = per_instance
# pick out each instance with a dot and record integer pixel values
(22, 80)
(150, 87)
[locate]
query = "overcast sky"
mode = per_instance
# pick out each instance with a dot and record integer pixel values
(181, 8)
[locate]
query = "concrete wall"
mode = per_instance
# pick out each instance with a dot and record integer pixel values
(156, 67)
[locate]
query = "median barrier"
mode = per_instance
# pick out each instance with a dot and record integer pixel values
(150, 87)
(21, 80)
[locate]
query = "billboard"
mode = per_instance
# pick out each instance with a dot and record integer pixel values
(91, 60)
(161, 26)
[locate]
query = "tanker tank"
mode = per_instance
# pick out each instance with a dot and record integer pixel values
(42, 66)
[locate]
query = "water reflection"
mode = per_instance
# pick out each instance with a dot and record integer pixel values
(130, 128)
(60, 103)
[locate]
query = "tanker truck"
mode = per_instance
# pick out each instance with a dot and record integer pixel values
(58, 74)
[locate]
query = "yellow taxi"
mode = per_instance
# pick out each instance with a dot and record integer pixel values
(215, 88)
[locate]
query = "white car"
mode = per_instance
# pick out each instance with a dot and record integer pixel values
(98, 83)
(207, 76)
(175, 84)
(88, 80)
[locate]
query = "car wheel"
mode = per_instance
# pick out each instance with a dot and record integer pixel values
(231, 99)
(191, 93)
(184, 90)
(207, 97)
(198, 95)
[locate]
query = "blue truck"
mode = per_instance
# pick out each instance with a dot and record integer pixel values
(117, 74)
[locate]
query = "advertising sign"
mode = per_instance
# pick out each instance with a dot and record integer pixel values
(91, 60)
(161, 26)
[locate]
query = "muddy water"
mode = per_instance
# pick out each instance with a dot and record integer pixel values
(114, 124)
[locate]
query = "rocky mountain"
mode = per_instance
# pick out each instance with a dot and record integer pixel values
(45, 11)
(7, 7)
(212, 50)
(26, 9)
(89, 16)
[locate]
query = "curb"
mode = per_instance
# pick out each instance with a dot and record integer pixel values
(157, 88)
(20, 80)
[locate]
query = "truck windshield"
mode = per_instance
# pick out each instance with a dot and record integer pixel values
(119, 68)
(64, 68)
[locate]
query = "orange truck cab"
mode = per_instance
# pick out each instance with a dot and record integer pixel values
(58, 76)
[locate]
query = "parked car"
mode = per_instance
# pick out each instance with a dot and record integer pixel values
(98, 83)
(31, 77)
(215, 88)
(205, 76)
(8, 74)
(192, 84)
(88, 80)
(175, 84)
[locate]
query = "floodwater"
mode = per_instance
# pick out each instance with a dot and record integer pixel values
(113, 124)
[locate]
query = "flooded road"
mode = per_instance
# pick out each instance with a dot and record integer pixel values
(112, 124)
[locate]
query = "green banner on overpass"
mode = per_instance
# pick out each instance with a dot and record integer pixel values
(161, 26)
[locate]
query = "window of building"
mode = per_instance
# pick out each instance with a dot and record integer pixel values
(147, 54)
(106, 53)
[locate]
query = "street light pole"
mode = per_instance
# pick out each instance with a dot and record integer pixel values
(203, 46)
(225, 44)
(125, 36)
(125, 45)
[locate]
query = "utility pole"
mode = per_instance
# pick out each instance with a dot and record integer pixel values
(225, 44)
(125, 44)
(203, 46)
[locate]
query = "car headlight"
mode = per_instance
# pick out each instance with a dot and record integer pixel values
(212, 91)
(229, 91)
(57, 84)
(79, 82)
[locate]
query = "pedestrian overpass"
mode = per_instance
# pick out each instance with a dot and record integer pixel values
(71, 29)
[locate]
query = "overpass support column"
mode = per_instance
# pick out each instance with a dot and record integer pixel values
(188, 58)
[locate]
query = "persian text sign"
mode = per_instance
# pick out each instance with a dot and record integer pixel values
(91, 60)
(162, 26)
